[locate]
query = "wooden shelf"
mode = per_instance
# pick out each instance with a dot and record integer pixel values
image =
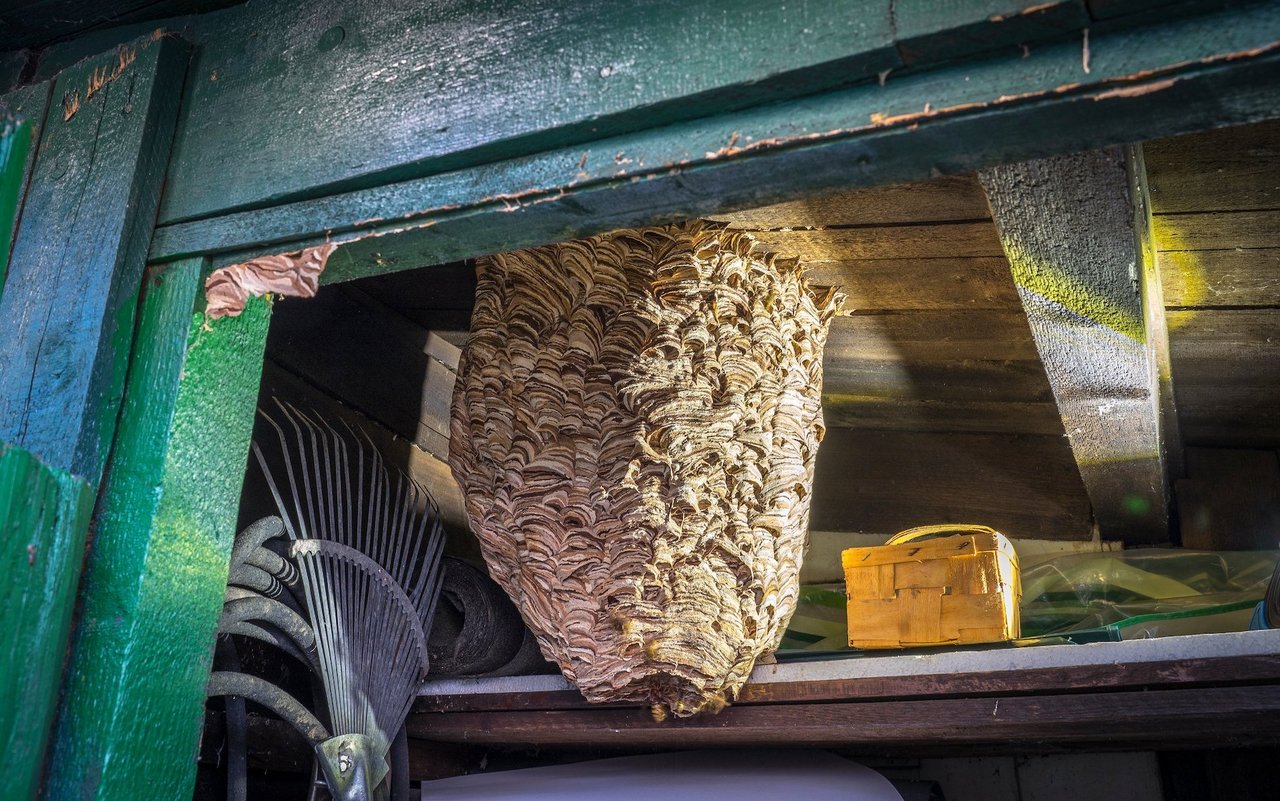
(1206, 690)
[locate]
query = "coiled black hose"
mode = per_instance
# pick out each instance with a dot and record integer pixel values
(281, 617)
(285, 706)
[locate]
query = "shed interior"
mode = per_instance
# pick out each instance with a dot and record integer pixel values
(939, 408)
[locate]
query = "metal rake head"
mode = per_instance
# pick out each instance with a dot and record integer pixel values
(367, 540)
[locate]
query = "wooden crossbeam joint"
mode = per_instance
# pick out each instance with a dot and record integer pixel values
(1073, 228)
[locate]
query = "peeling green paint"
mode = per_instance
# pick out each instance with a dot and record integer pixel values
(132, 709)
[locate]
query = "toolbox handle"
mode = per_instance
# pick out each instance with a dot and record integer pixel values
(945, 528)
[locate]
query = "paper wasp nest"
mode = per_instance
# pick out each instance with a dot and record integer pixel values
(634, 428)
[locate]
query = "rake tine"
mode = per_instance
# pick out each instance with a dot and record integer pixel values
(370, 617)
(293, 487)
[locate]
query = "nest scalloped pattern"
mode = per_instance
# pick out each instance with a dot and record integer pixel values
(634, 428)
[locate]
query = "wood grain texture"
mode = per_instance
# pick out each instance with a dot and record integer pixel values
(1163, 79)
(44, 518)
(1217, 230)
(881, 481)
(1204, 716)
(650, 63)
(942, 240)
(928, 29)
(1155, 321)
(15, 141)
(1068, 226)
(910, 414)
(1213, 334)
(1017, 381)
(927, 336)
(29, 104)
(1116, 676)
(1223, 660)
(1216, 414)
(69, 300)
(1226, 373)
(947, 198)
(1220, 262)
(1230, 500)
(901, 284)
(372, 359)
(157, 572)
(1208, 279)
(1228, 169)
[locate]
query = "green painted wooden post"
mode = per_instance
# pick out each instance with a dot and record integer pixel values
(66, 317)
(15, 141)
(158, 563)
(44, 514)
(29, 104)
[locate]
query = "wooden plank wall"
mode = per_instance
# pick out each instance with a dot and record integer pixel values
(1215, 199)
(937, 403)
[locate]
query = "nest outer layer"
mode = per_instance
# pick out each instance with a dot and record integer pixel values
(634, 428)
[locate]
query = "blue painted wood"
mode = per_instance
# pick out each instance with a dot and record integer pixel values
(66, 318)
(1178, 77)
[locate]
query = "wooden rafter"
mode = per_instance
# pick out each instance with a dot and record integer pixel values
(1075, 230)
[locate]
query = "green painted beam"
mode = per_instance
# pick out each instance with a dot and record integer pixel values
(935, 30)
(1067, 225)
(1187, 75)
(298, 95)
(66, 317)
(157, 568)
(305, 99)
(44, 515)
(15, 142)
(30, 104)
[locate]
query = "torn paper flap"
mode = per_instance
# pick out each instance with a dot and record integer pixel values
(295, 274)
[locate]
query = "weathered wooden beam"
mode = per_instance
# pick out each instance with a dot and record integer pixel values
(44, 516)
(1159, 663)
(157, 568)
(928, 30)
(29, 104)
(1075, 233)
(66, 318)
(1163, 79)
(1155, 320)
(1022, 485)
(15, 142)
(1182, 717)
(638, 65)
